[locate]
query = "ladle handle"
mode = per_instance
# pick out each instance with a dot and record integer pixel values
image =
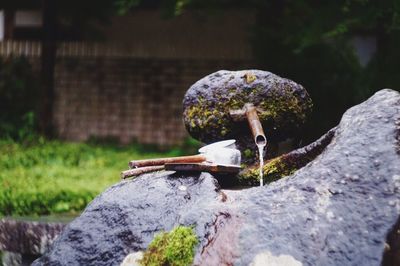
(181, 159)
(142, 170)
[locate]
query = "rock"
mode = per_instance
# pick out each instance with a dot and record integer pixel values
(283, 106)
(22, 240)
(125, 217)
(342, 208)
(28, 237)
(133, 259)
(266, 258)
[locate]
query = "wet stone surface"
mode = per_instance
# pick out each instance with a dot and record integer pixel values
(342, 208)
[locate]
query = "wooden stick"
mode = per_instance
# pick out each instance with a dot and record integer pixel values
(202, 167)
(182, 159)
(141, 170)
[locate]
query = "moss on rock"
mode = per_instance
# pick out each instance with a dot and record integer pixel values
(175, 248)
(272, 170)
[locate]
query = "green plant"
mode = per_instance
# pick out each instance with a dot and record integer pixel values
(18, 99)
(175, 248)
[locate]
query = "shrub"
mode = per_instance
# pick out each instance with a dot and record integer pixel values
(19, 90)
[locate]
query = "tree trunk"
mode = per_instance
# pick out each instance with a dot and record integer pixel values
(47, 66)
(9, 16)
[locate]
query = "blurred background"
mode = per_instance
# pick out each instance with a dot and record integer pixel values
(86, 86)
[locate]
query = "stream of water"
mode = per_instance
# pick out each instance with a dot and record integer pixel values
(261, 157)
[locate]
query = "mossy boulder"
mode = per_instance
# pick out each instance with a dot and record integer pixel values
(282, 105)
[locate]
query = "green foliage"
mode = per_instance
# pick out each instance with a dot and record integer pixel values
(310, 42)
(123, 6)
(18, 98)
(175, 248)
(44, 177)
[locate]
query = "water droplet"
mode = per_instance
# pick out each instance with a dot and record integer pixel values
(354, 177)
(392, 203)
(330, 215)
(182, 188)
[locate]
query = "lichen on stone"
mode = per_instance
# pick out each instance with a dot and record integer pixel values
(250, 77)
(175, 248)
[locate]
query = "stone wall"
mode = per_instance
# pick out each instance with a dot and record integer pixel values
(102, 91)
(129, 99)
(131, 85)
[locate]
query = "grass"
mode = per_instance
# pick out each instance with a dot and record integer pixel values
(49, 177)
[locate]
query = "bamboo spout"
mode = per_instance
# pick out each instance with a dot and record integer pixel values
(255, 125)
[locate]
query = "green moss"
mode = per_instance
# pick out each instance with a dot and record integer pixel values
(273, 170)
(281, 109)
(175, 248)
(247, 153)
(284, 109)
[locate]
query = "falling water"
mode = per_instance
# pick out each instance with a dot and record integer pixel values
(261, 157)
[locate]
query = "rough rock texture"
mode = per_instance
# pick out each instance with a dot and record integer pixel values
(125, 217)
(342, 208)
(28, 237)
(283, 106)
(23, 241)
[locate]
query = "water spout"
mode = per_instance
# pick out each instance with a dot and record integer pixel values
(258, 134)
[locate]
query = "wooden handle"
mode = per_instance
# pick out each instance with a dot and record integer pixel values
(142, 170)
(201, 167)
(182, 159)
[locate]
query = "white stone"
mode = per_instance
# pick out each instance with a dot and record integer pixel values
(268, 259)
(132, 259)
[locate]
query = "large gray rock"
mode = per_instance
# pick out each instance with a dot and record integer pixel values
(342, 208)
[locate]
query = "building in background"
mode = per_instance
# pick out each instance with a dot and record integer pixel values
(128, 82)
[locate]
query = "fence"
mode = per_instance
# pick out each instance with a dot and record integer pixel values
(130, 94)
